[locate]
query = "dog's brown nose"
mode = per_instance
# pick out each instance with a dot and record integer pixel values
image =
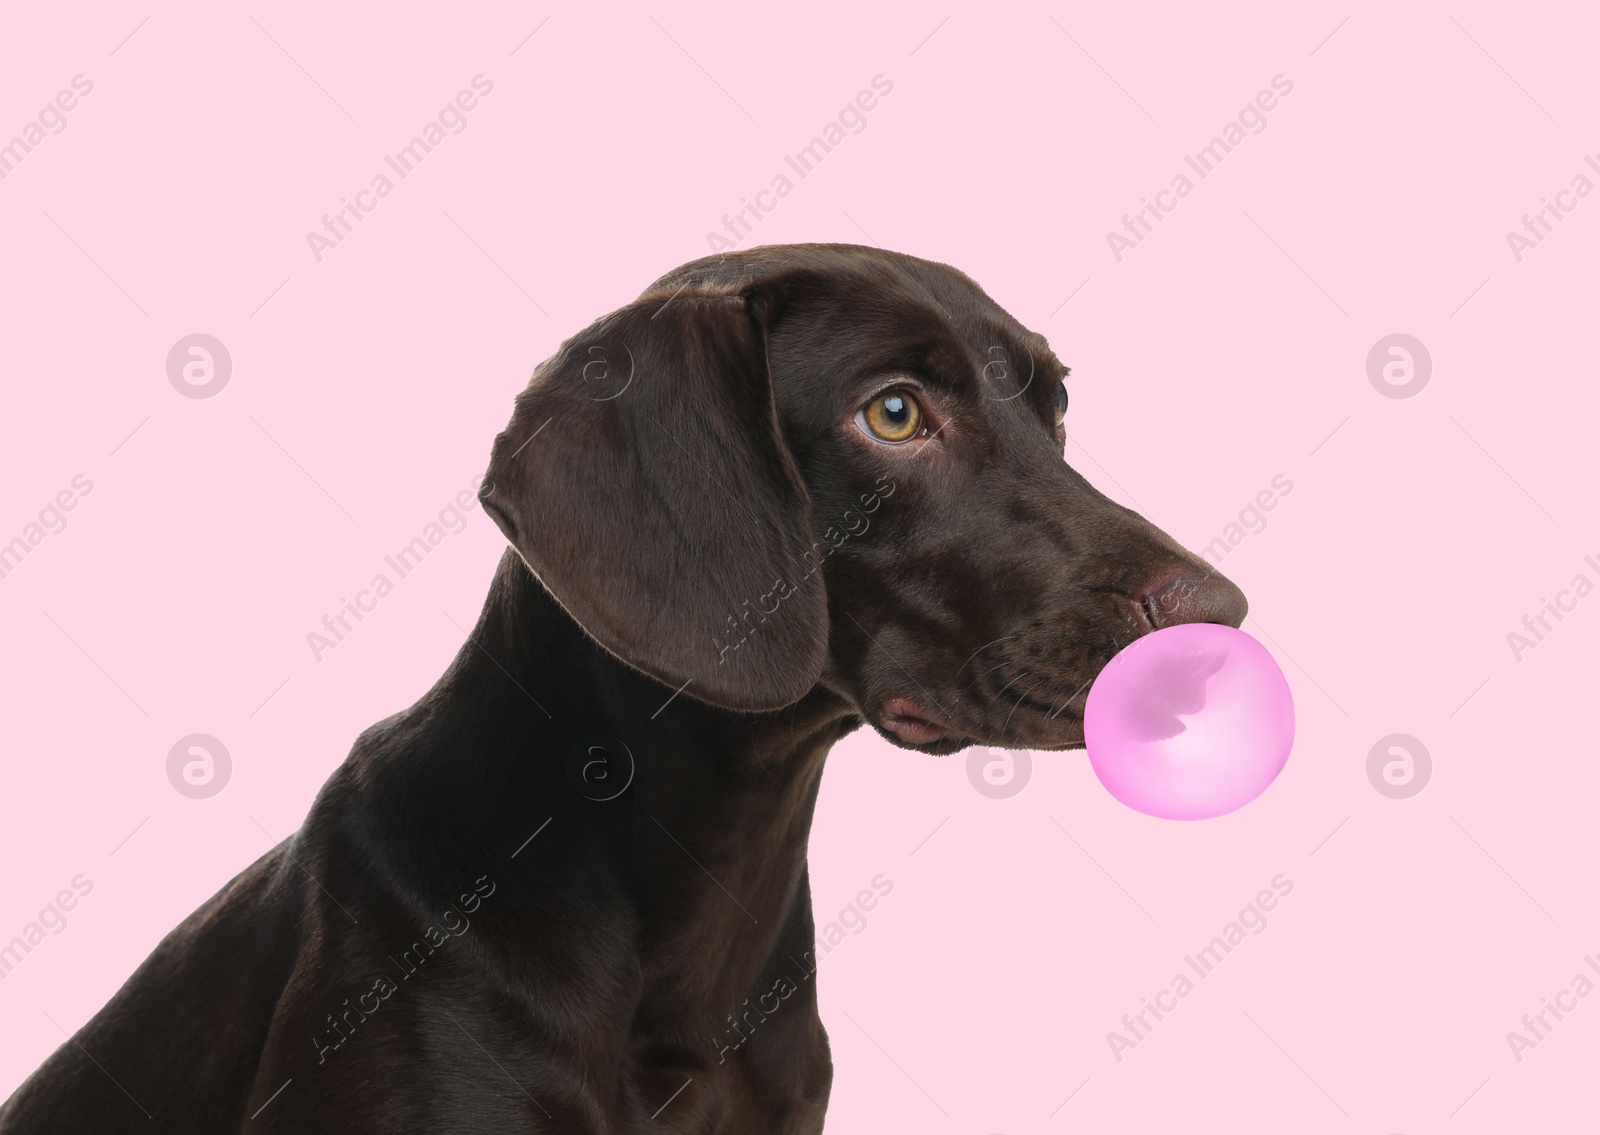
(1187, 598)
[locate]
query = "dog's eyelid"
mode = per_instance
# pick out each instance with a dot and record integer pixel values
(895, 380)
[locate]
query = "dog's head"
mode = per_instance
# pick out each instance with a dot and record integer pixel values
(829, 465)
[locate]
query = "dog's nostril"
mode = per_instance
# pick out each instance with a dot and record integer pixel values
(1190, 599)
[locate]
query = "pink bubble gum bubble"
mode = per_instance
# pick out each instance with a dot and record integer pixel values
(1189, 722)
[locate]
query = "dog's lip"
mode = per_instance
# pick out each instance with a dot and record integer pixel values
(911, 723)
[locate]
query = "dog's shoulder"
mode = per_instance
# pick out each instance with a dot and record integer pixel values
(228, 961)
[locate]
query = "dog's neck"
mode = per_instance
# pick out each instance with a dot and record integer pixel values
(705, 850)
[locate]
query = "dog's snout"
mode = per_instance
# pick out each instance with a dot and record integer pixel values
(1186, 598)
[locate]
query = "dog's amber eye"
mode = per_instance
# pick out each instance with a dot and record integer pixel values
(1061, 404)
(892, 417)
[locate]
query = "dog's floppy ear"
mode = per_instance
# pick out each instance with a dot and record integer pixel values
(645, 481)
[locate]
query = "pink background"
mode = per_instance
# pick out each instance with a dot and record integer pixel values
(1223, 351)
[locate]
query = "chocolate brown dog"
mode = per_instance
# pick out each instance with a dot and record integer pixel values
(787, 492)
